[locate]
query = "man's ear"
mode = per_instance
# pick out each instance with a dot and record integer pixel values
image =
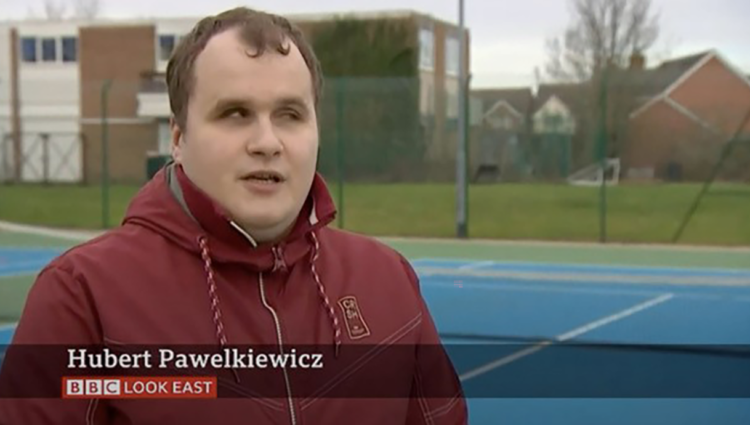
(177, 139)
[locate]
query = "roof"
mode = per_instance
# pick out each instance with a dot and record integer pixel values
(644, 85)
(520, 99)
(652, 82)
(573, 95)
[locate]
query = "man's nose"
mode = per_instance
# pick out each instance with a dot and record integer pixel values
(264, 140)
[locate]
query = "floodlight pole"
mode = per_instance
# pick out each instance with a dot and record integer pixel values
(461, 184)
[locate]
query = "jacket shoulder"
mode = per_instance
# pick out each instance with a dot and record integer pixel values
(114, 245)
(357, 250)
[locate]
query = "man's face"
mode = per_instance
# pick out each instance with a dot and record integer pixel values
(251, 136)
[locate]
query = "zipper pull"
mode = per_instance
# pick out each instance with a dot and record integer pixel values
(278, 259)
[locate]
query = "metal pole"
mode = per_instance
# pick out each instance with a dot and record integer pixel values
(461, 196)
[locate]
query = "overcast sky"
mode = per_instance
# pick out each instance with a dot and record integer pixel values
(508, 37)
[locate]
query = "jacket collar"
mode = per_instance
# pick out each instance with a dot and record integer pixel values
(230, 243)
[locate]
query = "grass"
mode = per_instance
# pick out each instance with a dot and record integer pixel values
(637, 214)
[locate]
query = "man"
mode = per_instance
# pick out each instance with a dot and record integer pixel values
(229, 245)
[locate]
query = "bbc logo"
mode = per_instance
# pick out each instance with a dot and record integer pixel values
(92, 387)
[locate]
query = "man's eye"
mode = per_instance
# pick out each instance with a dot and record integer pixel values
(235, 113)
(291, 114)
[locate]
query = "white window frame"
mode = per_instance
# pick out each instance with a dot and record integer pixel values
(426, 49)
(452, 55)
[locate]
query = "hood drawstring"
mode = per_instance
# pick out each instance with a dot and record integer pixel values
(324, 296)
(215, 308)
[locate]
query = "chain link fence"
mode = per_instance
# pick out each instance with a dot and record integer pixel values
(566, 162)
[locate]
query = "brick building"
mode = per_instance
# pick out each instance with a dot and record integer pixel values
(669, 122)
(61, 78)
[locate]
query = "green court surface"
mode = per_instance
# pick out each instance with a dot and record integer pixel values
(614, 254)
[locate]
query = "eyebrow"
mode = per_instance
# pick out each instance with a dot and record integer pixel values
(293, 101)
(228, 103)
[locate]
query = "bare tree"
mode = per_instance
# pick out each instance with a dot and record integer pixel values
(87, 9)
(601, 32)
(54, 10)
(603, 35)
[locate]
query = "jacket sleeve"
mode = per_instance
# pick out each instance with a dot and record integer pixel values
(58, 313)
(437, 397)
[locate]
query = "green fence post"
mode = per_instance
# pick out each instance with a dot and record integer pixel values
(340, 147)
(467, 152)
(602, 144)
(105, 154)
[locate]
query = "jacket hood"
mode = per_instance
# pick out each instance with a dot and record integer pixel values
(171, 205)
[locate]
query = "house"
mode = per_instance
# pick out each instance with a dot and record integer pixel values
(505, 108)
(503, 129)
(558, 108)
(679, 128)
(534, 130)
(668, 122)
(59, 80)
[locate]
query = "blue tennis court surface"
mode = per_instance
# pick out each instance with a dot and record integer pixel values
(545, 306)
(24, 261)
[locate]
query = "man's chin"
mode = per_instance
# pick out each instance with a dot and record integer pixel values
(259, 220)
(261, 223)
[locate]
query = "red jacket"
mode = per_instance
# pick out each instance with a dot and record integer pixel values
(178, 272)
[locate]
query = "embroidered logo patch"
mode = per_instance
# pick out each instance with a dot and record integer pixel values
(355, 323)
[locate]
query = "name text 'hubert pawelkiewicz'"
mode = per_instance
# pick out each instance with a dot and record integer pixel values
(228, 358)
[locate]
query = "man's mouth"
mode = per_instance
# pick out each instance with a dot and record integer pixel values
(264, 177)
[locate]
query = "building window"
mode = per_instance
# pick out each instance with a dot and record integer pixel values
(426, 50)
(452, 56)
(28, 49)
(69, 49)
(49, 50)
(166, 46)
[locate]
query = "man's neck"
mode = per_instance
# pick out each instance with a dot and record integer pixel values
(267, 236)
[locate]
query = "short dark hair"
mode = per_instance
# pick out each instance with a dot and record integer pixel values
(260, 30)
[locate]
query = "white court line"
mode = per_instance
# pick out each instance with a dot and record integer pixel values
(476, 265)
(530, 288)
(588, 277)
(599, 266)
(708, 296)
(566, 336)
(8, 327)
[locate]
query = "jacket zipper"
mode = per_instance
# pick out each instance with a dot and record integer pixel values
(278, 259)
(278, 265)
(281, 347)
